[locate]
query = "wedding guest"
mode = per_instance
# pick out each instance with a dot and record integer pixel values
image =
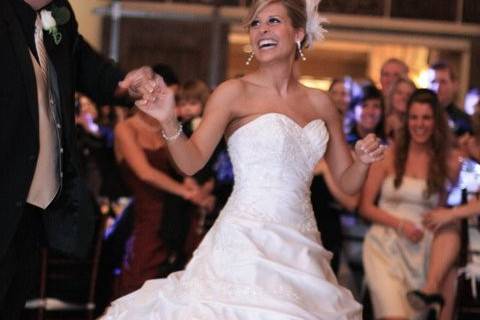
(410, 181)
(396, 105)
(340, 92)
(144, 162)
(445, 84)
(391, 70)
(439, 287)
(368, 115)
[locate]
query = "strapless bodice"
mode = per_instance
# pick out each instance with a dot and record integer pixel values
(274, 152)
(273, 160)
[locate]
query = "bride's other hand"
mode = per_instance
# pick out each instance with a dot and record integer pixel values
(158, 100)
(369, 149)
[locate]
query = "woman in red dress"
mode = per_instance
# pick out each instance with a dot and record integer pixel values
(144, 162)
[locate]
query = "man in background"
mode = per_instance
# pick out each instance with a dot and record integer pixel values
(445, 84)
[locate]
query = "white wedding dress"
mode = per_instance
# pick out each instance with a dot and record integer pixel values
(263, 258)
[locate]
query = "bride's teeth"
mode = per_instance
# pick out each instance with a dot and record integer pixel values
(266, 43)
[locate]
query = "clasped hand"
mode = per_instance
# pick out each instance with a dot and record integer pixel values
(199, 195)
(151, 93)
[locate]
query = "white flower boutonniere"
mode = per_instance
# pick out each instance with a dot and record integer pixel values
(49, 24)
(53, 18)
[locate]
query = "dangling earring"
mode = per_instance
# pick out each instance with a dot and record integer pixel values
(299, 47)
(250, 57)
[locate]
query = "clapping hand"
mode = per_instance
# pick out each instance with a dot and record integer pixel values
(438, 218)
(369, 149)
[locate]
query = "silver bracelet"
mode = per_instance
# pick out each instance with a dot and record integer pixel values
(175, 136)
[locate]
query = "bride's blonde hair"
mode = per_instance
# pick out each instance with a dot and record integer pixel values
(303, 14)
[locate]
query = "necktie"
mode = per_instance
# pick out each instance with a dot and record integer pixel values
(41, 52)
(46, 179)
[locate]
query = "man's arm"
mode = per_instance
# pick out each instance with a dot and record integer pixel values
(96, 76)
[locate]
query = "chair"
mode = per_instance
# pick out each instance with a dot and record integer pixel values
(468, 290)
(67, 285)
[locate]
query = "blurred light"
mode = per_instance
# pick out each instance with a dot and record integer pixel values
(471, 99)
(322, 84)
(424, 78)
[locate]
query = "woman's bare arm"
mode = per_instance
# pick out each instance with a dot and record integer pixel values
(127, 146)
(349, 174)
(190, 155)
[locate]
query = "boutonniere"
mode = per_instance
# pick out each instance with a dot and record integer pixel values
(53, 18)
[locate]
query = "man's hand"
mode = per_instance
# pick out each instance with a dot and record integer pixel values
(137, 83)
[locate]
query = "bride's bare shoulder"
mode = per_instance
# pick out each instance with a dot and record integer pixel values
(228, 91)
(230, 87)
(323, 104)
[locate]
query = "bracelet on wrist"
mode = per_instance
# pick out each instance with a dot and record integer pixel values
(175, 136)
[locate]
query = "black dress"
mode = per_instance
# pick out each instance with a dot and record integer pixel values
(327, 215)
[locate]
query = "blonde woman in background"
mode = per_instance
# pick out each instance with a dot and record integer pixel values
(396, 105)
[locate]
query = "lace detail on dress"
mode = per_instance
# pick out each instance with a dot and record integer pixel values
(303, 220)
(201, 290)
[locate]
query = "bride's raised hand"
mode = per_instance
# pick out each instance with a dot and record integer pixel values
(369, 149)
(158, 101)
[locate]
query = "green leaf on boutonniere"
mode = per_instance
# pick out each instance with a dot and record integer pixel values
(61, 15)
(56, 35)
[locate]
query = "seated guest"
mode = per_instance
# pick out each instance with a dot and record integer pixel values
(396, 105)
(445, 84)
(441, 277)
(340, 92)
(368, 115)
(391, 70)
(410, 181)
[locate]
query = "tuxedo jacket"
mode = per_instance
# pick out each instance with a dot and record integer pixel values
(69, 221)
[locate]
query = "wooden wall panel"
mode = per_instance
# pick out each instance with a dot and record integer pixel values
(471, 11)
(425, 9)
(365, 7)
(184, 45)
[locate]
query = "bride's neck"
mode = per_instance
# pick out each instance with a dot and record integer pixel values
(279, 76)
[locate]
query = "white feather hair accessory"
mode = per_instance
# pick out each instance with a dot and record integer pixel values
(313, 29)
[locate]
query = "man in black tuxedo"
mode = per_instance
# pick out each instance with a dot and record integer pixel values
(43, 61)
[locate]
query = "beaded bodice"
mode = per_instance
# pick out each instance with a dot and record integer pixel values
(273, 160)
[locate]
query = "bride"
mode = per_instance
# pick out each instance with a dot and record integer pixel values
(263, 258)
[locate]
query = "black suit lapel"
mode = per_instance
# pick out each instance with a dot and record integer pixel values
(23, 59)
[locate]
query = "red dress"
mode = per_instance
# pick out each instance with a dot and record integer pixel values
(145, 251)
